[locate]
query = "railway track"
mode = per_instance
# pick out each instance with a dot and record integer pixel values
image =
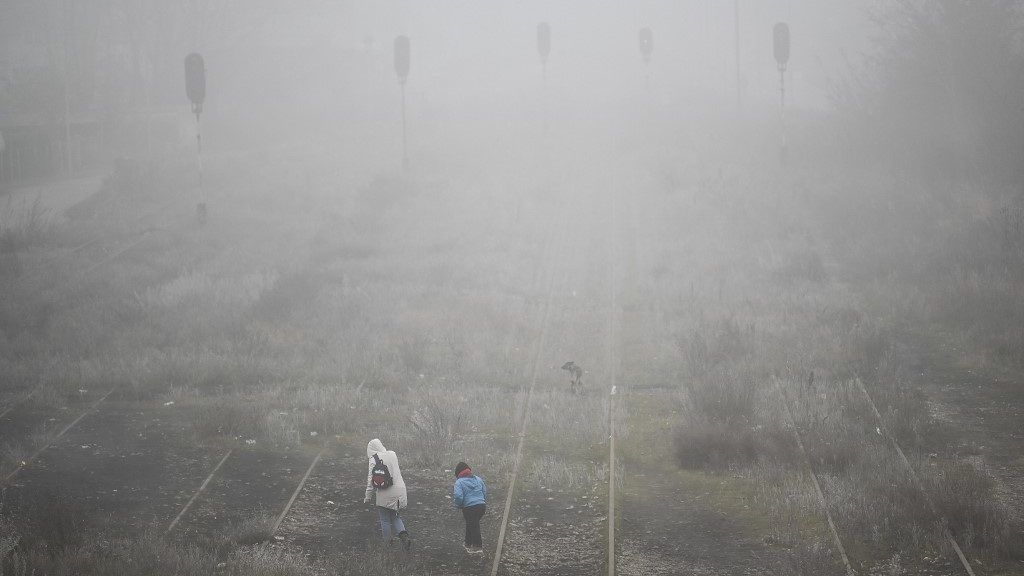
(540, 344)
(113, 247)
(234, 467)
(606, 386)
(291, 483)
(612, 370)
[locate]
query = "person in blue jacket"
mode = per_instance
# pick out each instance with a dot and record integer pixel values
(470, 495)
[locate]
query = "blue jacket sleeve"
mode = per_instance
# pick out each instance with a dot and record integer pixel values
(483, 486)
(457, 495)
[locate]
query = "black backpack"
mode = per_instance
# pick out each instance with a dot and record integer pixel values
(380, 477)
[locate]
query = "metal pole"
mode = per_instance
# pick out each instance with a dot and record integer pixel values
(782, 90)
(405, 139)
(201, 211)
(611, 481)
(739, 88)
(544, 94)
(784, 147)
(67, 90)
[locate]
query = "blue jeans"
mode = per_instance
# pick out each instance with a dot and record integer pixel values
(390, 523)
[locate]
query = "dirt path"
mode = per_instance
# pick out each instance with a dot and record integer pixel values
(330, 517)
(29, 424)
(558, 517)
(252, 484)
(125, 463)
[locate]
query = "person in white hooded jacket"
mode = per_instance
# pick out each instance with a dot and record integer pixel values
(389, 501)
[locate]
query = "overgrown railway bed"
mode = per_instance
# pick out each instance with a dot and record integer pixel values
(133, 462)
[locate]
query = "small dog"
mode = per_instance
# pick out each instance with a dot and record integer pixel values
(576, 384)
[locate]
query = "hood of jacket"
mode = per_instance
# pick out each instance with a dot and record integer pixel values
(471, 483)
(374, 447)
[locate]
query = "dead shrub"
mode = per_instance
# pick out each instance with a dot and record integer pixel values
(230, 416)
(965, 497)
(834, 452)
(716, 344)
(802, 267)
(438, 422)
(256, 528)
(725, 398)
(717, 445)
(49, 521)
(23, 225)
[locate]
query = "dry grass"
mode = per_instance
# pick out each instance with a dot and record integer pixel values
(299, 317)
(780, 310)
(23, 224)
(255, 528)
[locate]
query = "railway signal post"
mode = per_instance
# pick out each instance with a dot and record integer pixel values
(544, 48)
(402, 62)
(646, 38)
(781, 46)
(195, 88)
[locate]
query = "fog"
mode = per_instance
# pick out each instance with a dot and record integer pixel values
(728, 302)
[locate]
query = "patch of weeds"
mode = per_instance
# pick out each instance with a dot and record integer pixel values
(811, 558)
(230, 416)
(862, 352)
(413, 350)
(23, 225)
(836, 451)
(965, 497)
(146, 554)
(548, 470)
(802, 267)
(290, 293)
(11, 455)
(725, 398)
(49, 521)
(700, 443)
(439, 422)
(256, 528)
(376, 559)
(713, 345)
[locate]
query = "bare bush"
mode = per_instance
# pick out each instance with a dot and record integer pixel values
(253, 529)
(703, 443)
(438, 422)
(230, 416)
(965, 496)
(23, 225)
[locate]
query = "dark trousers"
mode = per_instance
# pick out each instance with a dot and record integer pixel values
(473, 514)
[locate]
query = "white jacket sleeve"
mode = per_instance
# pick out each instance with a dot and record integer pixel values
(369, 483)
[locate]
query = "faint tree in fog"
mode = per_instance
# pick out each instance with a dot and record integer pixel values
(944, 85)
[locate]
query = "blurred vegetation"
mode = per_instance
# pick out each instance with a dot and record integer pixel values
(941, 90)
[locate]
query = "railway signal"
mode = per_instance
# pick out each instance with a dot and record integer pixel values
(739, 70)
(646, 44)
(646, 39)
(780, 43)
(402, 62)
(780, 49)
(544, 46)
(195, 89)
